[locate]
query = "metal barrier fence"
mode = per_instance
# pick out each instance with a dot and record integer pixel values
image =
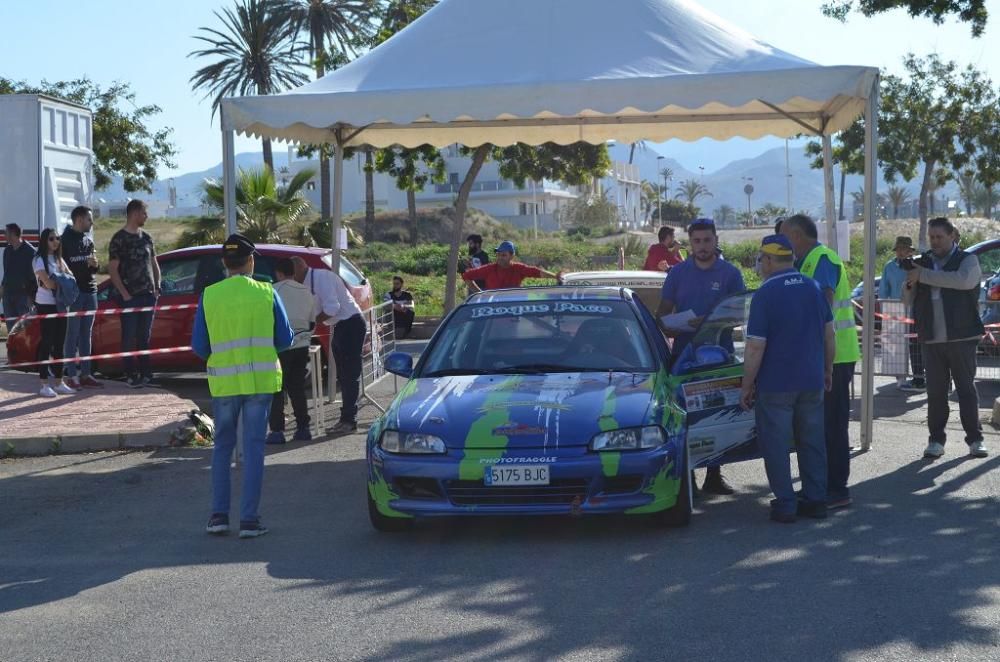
(894, 346)
(379, 343)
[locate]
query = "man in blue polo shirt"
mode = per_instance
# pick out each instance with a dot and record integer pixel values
(788, 365)
(698, 284)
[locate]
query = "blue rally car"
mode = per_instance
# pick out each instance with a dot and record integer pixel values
(561, 400)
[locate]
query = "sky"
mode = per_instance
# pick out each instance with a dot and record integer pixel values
(147, 44)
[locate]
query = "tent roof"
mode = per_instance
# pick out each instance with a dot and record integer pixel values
(534, 71)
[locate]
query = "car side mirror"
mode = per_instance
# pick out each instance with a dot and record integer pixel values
(399, 363)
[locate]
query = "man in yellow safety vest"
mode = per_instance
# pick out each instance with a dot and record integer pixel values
(825, 267)
(239, 328)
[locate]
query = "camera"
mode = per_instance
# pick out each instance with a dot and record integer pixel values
(907, 264)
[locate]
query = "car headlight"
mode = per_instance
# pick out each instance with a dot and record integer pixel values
(629, 439)
(17, 328)
(394, 441)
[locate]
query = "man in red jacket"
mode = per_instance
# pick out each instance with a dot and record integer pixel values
(665, 254)
(504, 272)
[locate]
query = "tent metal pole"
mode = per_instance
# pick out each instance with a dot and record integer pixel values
(228, 174)
(871, 227)
(828, 194)
(338, 201)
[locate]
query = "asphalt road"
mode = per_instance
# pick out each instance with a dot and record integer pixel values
(104, 557)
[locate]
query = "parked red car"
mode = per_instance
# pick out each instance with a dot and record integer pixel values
(184, 274)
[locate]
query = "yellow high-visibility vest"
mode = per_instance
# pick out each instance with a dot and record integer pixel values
(239, 314)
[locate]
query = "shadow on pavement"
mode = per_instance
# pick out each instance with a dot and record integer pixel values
(906, 564)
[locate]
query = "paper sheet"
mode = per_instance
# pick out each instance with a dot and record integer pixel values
(679, 321)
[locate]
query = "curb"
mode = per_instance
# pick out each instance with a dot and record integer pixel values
(995, 419)
(68, 444)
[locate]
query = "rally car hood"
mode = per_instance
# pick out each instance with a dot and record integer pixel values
(523, 411)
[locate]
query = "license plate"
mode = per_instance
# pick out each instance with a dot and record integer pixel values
(532, 474)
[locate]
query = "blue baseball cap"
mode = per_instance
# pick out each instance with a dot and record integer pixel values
(506, 247)
(701, 224)
(776, 244)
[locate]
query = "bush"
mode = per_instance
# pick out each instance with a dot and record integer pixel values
(426, 260)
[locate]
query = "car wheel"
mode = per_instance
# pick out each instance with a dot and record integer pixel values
(680, 513)
(386, 524)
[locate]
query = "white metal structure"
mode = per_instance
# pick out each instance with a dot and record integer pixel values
(536, 71)
(46, 160)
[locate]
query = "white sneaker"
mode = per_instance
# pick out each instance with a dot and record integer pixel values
(978, 449)
(47, 392)
(934, 450)
(61, 387)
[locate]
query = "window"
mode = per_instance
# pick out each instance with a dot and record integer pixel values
(989, 261)
(178, 276)
(545, 336)
(310, 185)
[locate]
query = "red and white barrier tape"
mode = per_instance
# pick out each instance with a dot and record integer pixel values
(907, 320)
(95, 357)
(109, 311)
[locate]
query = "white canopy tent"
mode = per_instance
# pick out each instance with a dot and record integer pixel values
(564, 71)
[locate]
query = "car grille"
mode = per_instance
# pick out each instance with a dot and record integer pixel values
(622, 484)
(559, 491)
(417, 488)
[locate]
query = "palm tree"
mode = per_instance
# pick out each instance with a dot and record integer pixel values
(369, 193)
(966, 188)
(898, 196)
(637, 146)
(342, 24)
(724, 215)
(265, 212)
(257, 53)
(690, 190)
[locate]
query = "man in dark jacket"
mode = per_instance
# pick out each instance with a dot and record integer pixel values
(477, 258)
(81, 256)
(18, 277)
(943, 287)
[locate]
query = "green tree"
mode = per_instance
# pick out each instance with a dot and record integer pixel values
(690, 190)
(413, 169)
(123, 143)
(771, 211)
(969, 11)
(590, 211)
(724, 215)
(256, 52)
(987, 153)
(898, 196)
(335, 27)
(574, 164)
(928, 120)
(675, 213)
(848, 154)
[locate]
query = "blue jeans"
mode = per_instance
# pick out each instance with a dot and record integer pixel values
(227, 412)
(136, 329)
(782, 417)
(78, 334)
(15, 304)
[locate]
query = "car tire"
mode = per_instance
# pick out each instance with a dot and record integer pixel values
(679, 514)
(386, 524)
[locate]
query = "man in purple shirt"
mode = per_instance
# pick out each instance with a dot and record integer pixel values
(698, 284)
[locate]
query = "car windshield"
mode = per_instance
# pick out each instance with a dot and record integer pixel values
(531, 337)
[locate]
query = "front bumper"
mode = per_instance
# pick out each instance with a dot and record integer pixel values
(581, 482)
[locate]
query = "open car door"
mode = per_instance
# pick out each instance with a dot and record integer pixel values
(709, 376)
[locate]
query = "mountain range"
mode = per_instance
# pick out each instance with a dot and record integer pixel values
(767, 172)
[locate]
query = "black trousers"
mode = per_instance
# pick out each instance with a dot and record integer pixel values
(51, 343)
(944, 362)
(916, 359)
(294, 363)
(347, 345)
(837, 419)
(403, 321)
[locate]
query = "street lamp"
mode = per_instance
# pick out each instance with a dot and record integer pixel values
(659, 197)
(702, 168)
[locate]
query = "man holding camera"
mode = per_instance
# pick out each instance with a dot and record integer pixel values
(943, 287)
